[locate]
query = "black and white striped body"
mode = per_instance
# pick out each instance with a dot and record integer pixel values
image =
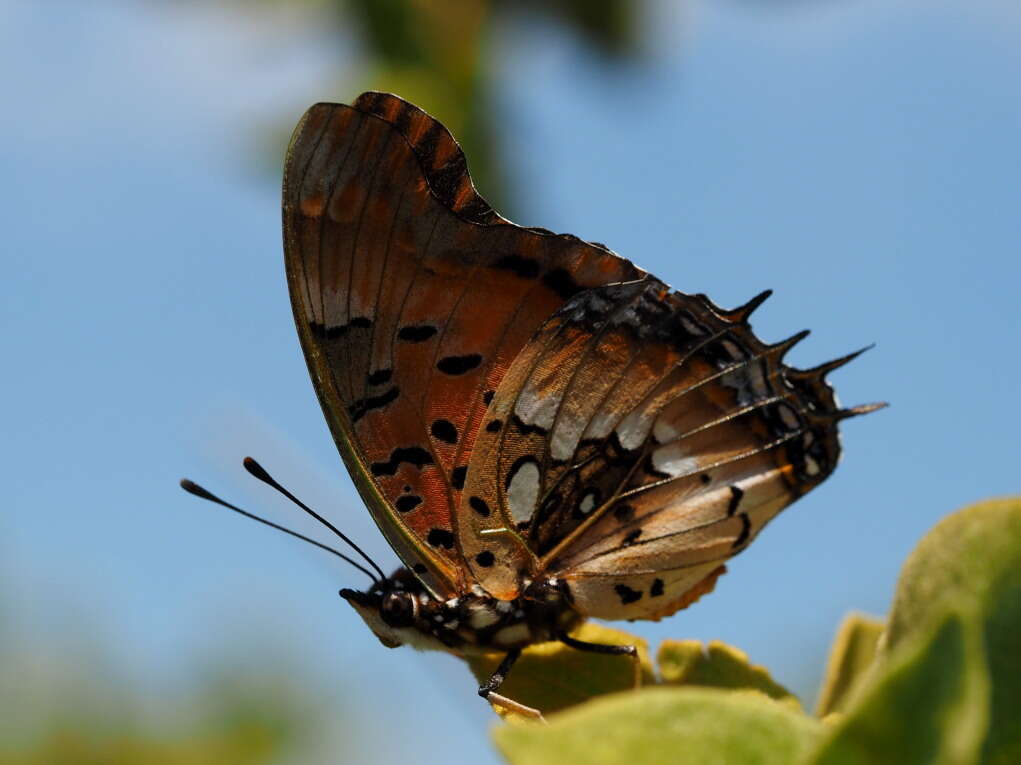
(400, 611)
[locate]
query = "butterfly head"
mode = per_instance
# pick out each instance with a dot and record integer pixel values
(394, 608)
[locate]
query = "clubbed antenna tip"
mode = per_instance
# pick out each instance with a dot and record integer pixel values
(193, 488)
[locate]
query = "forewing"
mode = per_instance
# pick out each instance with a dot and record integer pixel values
(412, 297)
(641, 439)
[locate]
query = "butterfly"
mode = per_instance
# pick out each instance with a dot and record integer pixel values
(542, 431)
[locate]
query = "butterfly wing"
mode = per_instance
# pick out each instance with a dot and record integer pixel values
(641, 439)
(412, 297)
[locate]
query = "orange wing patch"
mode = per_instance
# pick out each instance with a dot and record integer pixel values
(412, 298)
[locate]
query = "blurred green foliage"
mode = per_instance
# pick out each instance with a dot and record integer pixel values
(439, 56)
(552, 676)
(664, 726)
(243, 715)
(941, 684)
(717, 665)
(853, 652)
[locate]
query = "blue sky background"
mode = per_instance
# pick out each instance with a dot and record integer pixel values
(861, 158)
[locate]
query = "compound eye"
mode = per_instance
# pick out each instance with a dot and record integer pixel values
(397, 609)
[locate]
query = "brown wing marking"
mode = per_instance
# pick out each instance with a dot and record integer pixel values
(665, 435)
(441, 159)
(412, 297)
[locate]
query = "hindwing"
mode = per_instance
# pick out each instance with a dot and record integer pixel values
(639, 440)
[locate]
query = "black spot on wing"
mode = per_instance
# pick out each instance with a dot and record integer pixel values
(705, 478)
(485, 559)
(626, 594)
(362, 406)
(746, 529)
(624, 513)
(338, 331)
(735, 499)
(413, 455)
(487, 397)
(526, 268)
(457, 476)
(562, 283)
(458, 365)
(493, 426)
(657, 588)
(527, 430)
(407, 503)
(440, 538)
(380, 376)
(444, 430)
(632, 537)
(327, 333)
(479, 506)
(418, 568)
(416, 334)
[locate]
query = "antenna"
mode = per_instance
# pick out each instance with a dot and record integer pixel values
(193, 488)
(259, 472)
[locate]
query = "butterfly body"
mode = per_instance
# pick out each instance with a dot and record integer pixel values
(400, 611)
(543, 431)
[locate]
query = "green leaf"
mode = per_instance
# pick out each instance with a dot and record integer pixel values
(971, 561)
(552, 676)
(664, 725)
(853, 653)
(690, 662)
(927, 704)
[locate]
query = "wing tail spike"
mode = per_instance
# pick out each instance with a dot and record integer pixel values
(784, 346)
(857, 411)
(867, 408)
(820, 371)
(742, 313)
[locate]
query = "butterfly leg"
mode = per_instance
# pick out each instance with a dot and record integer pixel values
(612, 650)
(489, 688)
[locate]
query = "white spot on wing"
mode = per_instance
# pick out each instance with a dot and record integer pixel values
(757, 376)
(674, 461)
(690, 327)
(664, 431)
(731, 348)
(565, 438)
(536, 409)
(634, 429)
(790, 419)
(601, 424)
(523, 491)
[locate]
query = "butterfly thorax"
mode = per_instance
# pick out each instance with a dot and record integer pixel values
(399, 610)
